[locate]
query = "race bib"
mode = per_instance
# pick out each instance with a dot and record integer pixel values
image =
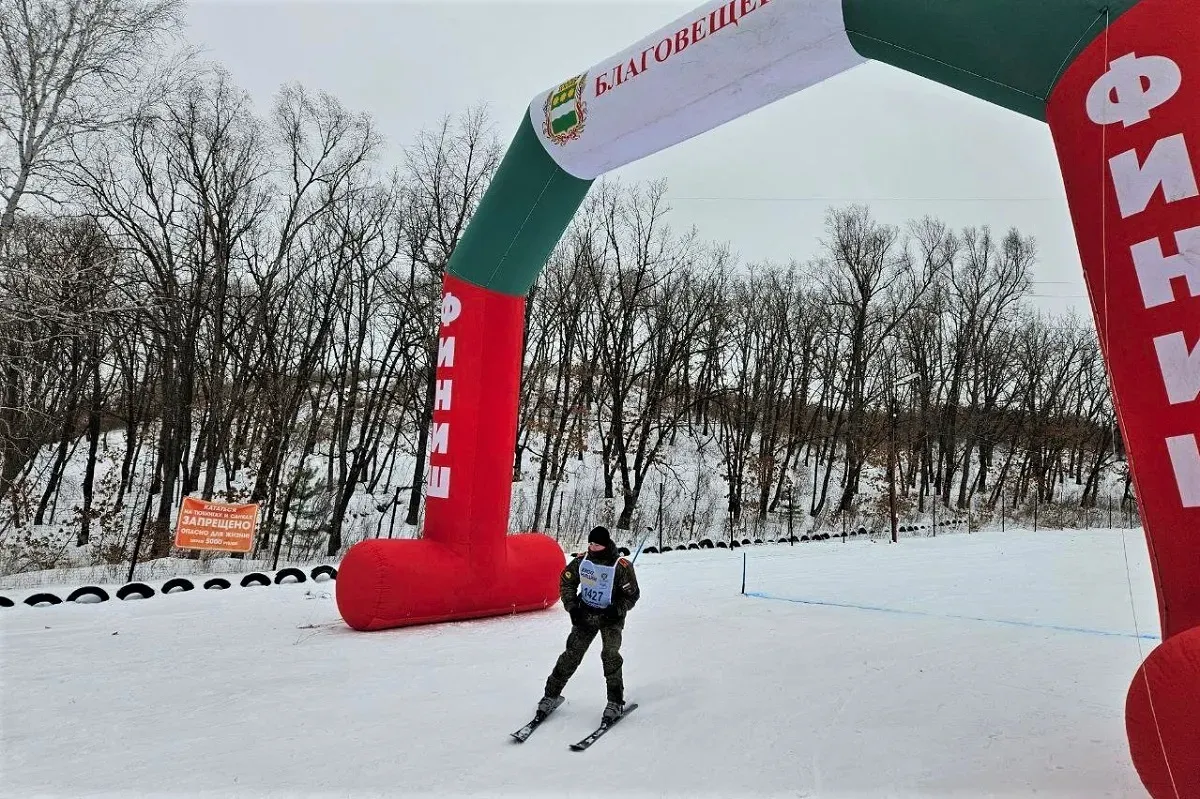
(596, 584)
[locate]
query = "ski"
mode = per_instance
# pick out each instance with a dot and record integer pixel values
(522, 735)
(603, 728)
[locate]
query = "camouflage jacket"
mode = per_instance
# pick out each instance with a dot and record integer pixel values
(625, 592)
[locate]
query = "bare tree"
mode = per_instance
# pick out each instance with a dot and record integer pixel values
(447, 171)
(56, 280)
(68, 68)
(874, 282)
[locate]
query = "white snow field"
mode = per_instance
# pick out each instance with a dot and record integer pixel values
(986, 665)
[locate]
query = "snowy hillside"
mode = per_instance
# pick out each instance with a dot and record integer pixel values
(984, 665)
(686, 498)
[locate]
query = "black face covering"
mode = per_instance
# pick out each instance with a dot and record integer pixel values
(605, 557)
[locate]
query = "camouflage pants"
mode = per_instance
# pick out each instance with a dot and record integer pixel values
(577, 646)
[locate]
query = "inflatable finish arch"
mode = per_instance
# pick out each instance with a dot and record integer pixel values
(1118, 81)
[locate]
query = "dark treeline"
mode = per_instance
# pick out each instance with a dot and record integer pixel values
(248, 300)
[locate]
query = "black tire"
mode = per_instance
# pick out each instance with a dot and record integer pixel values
(323, 571)
(177, 583)
(693, 545)
(666, 548)
(5, 602)
(283, 574)
(735, 545)
(722, 545)
(651, 550)
(42, 599)
(135, 591)
(706, 543)
(623, 551)
(216, 584)
(255, 578)
(88, 591)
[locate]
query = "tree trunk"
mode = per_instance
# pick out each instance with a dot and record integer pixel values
(418, 480)
(89, 475)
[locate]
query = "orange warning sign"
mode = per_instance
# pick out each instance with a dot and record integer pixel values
(216, 525)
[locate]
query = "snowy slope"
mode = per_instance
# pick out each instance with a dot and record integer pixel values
(990, 665)
(689, 487)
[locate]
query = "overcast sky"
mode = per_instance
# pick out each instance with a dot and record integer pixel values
(875, 135)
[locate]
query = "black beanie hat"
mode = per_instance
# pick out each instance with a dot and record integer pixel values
(599, 535)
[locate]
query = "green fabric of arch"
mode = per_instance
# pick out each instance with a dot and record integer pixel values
(521, 217)
(1007, 52)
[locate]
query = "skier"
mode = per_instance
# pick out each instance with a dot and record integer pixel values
(597, 588)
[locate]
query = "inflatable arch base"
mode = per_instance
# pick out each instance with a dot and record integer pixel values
(397, 583)
(465, 566)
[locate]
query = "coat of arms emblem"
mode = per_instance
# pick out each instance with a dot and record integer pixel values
(565, 111)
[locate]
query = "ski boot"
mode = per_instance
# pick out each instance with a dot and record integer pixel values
(547, 705)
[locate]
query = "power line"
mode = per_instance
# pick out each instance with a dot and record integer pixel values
(869, 199)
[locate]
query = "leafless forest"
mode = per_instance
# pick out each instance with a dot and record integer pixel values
(202, 297)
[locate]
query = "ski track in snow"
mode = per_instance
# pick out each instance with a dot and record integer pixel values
(264, 692)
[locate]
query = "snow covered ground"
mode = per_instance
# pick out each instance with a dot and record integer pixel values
(990, 665)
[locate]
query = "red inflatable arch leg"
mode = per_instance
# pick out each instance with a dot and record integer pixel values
(465, 566)
(1126, 123)
(1162, 713)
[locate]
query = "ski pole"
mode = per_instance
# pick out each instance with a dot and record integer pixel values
(639, 549)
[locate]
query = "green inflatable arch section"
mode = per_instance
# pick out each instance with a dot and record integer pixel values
(529, 203)
(1007, 52)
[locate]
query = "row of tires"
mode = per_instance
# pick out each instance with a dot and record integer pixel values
(90, 594)
(707, 543)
